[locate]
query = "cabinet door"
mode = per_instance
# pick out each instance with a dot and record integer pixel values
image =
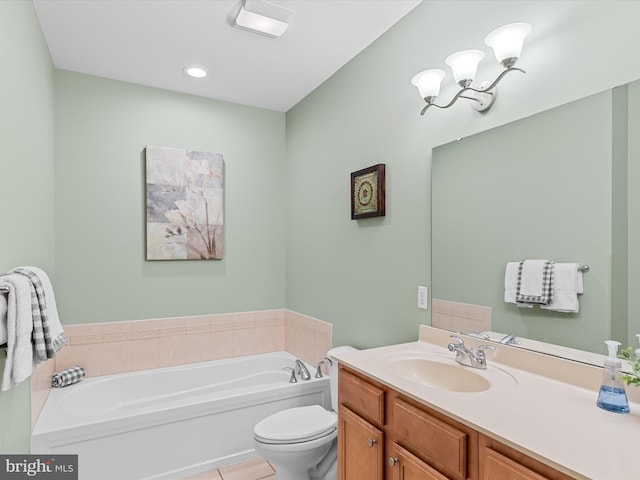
(360, 448)
(406, 466)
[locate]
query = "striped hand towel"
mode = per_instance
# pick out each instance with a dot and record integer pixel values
(48, 334)
(67, 377)
(535, 282)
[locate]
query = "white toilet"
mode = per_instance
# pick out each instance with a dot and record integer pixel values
(301, 442)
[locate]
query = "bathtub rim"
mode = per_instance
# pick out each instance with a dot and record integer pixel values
(44, 434)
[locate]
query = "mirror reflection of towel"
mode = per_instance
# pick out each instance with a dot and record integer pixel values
(535, 282)
(568, 285)
(510, 282)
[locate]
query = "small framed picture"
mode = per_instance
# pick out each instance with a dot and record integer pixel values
(367, 192)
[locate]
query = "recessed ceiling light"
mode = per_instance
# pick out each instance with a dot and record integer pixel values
(195, 72)
(264, 17)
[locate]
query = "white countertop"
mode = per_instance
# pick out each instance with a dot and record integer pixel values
(553, 421)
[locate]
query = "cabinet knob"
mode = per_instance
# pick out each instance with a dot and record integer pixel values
(393, 461)
(371, 442)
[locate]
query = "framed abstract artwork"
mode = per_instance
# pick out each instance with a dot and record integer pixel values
(185, 204)
(367, 192)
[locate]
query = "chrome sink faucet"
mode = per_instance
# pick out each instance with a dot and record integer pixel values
(301, 369)
(466, 357)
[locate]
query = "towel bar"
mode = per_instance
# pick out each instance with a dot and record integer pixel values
(584, 268)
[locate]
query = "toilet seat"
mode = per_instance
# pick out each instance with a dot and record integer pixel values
(296, 425)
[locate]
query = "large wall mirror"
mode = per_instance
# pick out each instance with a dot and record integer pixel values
(553, 186)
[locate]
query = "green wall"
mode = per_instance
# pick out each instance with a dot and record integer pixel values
(102, 127)
(363, 275)
(26, 176)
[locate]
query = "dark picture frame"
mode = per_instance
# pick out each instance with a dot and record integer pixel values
(368, 192)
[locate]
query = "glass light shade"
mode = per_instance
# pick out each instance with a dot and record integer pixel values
(428, 82)
(507, 42)
(464, 65)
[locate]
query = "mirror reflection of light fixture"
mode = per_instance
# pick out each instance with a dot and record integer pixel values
(506, 43)
(264, 17)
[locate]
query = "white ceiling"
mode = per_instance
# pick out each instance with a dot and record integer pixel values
(149, 42)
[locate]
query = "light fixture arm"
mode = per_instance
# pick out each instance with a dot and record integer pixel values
(460, 94)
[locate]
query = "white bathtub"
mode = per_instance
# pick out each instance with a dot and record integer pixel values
(170, 423)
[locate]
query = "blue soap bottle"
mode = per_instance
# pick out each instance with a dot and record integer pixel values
(612, 396)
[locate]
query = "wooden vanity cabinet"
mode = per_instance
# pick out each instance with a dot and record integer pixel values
(406, 466)
(360, 448)
(360, 428)
(501, 462)
(446, 447)
(382, 434)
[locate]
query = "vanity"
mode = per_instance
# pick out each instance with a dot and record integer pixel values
(410, 412)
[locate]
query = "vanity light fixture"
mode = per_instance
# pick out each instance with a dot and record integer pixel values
(264, 17)
(506, 43)
(194, 71)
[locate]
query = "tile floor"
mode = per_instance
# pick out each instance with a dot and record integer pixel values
(256, 469)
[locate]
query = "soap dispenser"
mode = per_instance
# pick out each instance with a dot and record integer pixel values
(612, 396)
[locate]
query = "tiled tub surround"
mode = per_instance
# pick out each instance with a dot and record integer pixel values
(120, 347)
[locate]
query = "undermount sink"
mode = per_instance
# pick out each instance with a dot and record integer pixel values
(440, 375)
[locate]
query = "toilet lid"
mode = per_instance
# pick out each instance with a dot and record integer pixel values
(294, 425)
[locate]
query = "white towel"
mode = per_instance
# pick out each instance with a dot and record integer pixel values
(19, 363)
(535, 285)
(3, 319)
(531, 282)
(567, 286)
(511, 282)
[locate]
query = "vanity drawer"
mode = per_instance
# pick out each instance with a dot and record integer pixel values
(498, 461)
(362, 397)
(440, 444)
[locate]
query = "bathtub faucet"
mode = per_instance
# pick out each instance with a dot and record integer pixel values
(302, 370)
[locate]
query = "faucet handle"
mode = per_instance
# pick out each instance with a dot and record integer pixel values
(509, 340)
(453, 345)
(326, 360)
(482, 348)
(293, 378)
(482, 335)
(481, 356)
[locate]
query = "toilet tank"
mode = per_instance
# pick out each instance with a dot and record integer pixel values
(333, 374)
